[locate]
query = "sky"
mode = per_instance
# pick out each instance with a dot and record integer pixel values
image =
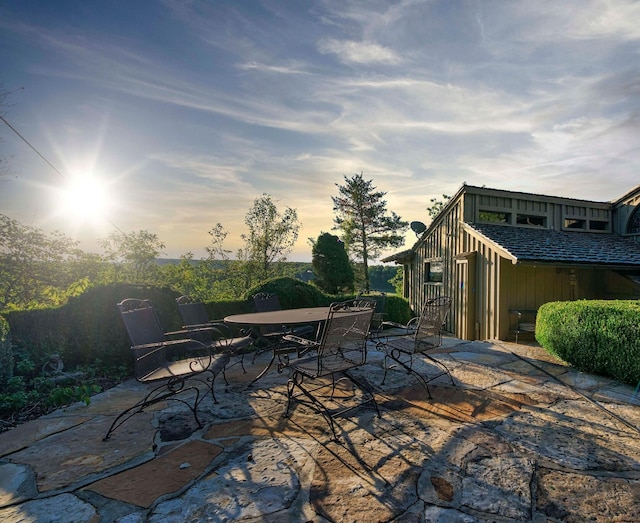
(185, 112)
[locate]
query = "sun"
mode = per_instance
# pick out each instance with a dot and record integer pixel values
(85, 197)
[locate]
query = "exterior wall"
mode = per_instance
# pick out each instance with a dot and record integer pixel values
(624, 210)
(441, 243)
(483, 301)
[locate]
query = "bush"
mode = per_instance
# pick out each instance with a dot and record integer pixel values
(6, 354)
(88, 329)
(599, 337)
(292, 293)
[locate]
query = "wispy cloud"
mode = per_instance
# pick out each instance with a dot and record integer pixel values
(359, 52)
(232, 99)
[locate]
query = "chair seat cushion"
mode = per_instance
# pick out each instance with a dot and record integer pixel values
(188, 367)
(409, 345)
(233, 344)
(527, 327)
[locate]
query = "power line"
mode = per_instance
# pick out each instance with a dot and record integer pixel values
(32, 147)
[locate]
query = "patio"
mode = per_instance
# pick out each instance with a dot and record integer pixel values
(520, 438)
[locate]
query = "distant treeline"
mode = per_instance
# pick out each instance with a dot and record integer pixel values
(379, 275)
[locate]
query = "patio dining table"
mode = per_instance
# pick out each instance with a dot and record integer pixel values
(281, 317)
(286, 317)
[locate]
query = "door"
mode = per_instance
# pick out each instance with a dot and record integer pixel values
(466, 297)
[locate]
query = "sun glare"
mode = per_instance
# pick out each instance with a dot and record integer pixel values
(85, 197)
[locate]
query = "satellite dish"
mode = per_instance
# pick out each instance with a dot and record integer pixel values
(418, 227)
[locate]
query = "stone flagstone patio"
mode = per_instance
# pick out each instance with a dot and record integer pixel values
(520, 437)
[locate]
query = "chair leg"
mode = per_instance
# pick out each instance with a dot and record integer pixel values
(296, 381)
(444, 368)
(171, 389)
(364, 388)
(395, 356)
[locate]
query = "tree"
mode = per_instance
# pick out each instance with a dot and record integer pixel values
(367, 227)
(271, 236)
(437, 205)
(135, 253)
(37, 268)
(333, 272)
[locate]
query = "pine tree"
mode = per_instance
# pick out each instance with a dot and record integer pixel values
(367, 227)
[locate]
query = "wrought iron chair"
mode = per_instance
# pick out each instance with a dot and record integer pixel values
(341, 347)
(173, 360)
(265, 302)
(271, 337)
(195, 320)
(420, 336)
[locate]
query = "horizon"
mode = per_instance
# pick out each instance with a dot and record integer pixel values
(184, 114)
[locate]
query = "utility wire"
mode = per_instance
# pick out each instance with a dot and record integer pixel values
(32, 147)
(49, 163)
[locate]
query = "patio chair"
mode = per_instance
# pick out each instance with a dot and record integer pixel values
(272, 335)
(173, 360)
(195, 319)
(341, 347)
(420, 336)
(265, 302)
(378, 314)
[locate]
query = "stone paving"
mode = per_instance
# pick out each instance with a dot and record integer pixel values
(520, 437)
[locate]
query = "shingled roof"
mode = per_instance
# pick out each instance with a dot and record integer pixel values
(524, 244)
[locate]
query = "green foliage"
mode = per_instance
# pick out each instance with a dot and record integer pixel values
(437, 206)
(66, 395)
(599, 337)
(333, 272)
(87, 328)
(39, 269)
(398, 280)
(6, 354)
(270, 237)
(397, 309)
(292, 293)
(381, 276)
(367, 228)
(133, 255)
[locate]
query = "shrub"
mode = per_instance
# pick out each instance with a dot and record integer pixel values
(599, 337)
(292, 293)
(6, 354)
(88, 328)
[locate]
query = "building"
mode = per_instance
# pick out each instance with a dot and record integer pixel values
(497, 253)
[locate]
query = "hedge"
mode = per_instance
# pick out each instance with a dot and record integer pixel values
(6, 354)
(596, 336)
(88, 329)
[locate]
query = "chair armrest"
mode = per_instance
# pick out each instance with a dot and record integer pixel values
(307, 345)
(300, 341)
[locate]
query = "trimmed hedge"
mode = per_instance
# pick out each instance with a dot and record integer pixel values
(6, 354)
(294, 294)
(88, 330)
(596, 336)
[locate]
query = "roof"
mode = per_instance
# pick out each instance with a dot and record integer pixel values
(523, 244)
(398, 256)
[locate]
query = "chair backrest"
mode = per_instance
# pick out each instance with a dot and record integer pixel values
(428, 332)
(191, 312)
(343, 344)
(266, 302)
(141, 321)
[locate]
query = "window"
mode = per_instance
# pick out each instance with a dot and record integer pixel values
(531, 219)
(495, 217)
(573, 223)
(633, 225)
(598, 225)
(433, 271)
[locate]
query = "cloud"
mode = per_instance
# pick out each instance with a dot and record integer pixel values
(351, 52)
